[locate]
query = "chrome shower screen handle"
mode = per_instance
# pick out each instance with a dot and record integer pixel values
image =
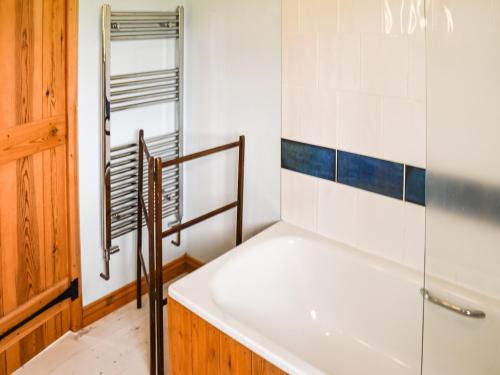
(470, 313)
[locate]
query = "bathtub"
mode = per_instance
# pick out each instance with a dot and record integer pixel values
(310, 305)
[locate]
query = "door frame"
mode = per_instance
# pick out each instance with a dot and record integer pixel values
(72, 157)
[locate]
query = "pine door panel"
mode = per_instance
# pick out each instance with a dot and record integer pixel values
(38, 243)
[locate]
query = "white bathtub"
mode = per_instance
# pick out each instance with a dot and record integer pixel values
(310, 305)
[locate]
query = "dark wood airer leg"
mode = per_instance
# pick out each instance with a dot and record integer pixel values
(152, 265)
(241, 182)
(159, 263)
(139, 223)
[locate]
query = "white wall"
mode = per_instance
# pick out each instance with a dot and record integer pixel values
(354, 80)
(233, 87)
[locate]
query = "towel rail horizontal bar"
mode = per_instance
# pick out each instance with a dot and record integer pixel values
(158, 29)
(125, 27)
(141, 13)
(152, 17)
(140, 20)
(145, 74)
(144, 104)
(144, 89)
(143, 82)
(145, 96)
(144, 37)
(132, 176)
(122, 171)
(159, 148)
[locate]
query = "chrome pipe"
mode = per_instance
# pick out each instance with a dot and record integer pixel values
(131, 206)
(123, 232)
(144, 82)
(123, 155)
(124, 201)
(145, 96)
(165, 151)
(123, 147)
(144, 104)
(141, 13)
(120, 187)
(144, 89)
(146, 27)
(123, 194)
(160, 137)
(132, 177)
(180, 105)
(119, 217)
(108, 249)
(146, 31)
(141, 17)
(144, 74)
(124, 224)
(122, 171)
(115, 23)
(143, 37)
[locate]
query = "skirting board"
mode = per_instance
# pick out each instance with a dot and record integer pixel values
(126, 294)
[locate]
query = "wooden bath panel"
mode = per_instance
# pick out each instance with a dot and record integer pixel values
(197, 348)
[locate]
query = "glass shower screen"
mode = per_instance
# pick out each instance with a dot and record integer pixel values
(462, 267)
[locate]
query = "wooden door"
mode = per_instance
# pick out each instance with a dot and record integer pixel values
(39, 244)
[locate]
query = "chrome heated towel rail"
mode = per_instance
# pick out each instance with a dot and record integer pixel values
(134, 90)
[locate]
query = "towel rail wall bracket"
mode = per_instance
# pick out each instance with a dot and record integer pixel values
(136, 90)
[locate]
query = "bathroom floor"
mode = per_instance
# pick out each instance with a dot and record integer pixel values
(116, 344)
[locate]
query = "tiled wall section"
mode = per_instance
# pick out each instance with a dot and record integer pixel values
(379, 176)
(354, 80)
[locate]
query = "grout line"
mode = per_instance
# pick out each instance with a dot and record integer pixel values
(404, 182)
(336, 165)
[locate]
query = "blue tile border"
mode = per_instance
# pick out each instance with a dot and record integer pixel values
(415, 185)
(308, 159)
(367, 173)
(379, 176)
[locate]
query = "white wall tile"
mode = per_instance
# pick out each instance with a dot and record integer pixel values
(403, 131)
(384, 65)
(354, 79)
(380, 225)
(290, 127)
(337, 212)
(349, 61)
(300, 59)
(403, 16)
(414, 236)
(299, 199)
(360, 123)
(339, 61)
(360, 16)
(328, 60)
(318, 15)
(310, 115)
(290, 15)
(417, 67)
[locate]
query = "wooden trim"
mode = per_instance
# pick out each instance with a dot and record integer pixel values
(192, 264)
(20, 141)
(32, 306)
(32, 325)
(72, 158)
(126, 294)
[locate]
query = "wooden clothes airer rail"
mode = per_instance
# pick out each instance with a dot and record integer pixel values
(153, 216)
